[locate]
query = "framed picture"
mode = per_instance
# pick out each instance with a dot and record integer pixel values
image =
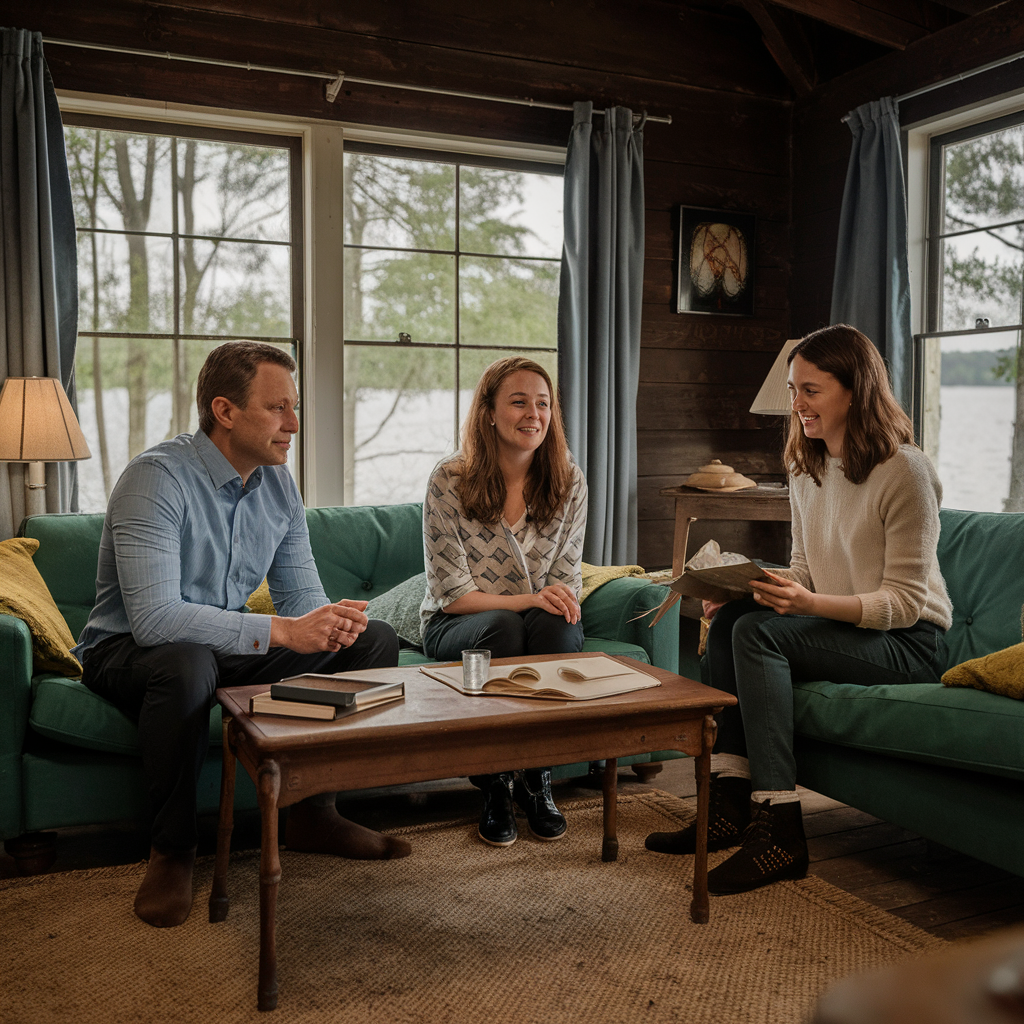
(716, 262)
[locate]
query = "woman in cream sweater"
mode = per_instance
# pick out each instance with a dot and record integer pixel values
(863, 601)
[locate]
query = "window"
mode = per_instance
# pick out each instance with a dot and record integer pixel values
(185, 240)
(450, 263)
(973, 419)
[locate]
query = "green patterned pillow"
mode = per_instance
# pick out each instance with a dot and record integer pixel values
(400, 608)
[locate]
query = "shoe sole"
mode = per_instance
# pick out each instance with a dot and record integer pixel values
(790, 877)
(492, 842)
(549, 839)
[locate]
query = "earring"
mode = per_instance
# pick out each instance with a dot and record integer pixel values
(492, 423)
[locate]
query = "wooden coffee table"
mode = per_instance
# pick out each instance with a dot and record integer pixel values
(438, 733)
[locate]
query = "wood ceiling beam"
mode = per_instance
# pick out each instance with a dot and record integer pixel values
(967, 7)
(787, 43)
(894, 23)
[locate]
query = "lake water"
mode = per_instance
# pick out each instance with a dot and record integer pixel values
(393, 463)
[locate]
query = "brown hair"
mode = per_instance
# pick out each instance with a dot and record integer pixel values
(228, 373)
(876, 425)
(481, 486)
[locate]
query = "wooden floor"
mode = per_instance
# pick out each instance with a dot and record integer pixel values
(945, 893)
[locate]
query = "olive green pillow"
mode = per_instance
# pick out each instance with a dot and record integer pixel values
(260, 600)
(400, 608)
(1001, 672)
(24, 594)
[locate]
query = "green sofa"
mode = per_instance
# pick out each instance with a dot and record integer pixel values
(944, 762)
(67, 757)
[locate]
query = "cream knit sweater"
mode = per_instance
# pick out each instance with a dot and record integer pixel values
(875, 540)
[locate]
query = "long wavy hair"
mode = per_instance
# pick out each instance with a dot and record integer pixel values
(481, 486)
(875, 425)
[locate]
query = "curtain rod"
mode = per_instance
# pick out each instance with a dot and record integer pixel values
(953, 79)
(334, 81)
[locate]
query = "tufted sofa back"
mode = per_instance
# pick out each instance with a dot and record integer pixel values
(360, 552)
(981, 555)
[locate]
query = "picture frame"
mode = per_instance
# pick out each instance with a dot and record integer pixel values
(716, 259)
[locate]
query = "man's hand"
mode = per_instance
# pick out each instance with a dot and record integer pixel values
(328, 628)
(559, 599)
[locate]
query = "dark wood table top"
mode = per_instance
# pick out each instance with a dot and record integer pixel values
(431, 708)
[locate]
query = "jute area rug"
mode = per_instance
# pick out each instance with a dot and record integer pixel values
(458, 932)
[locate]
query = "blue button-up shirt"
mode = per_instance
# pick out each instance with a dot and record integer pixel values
(185, 543)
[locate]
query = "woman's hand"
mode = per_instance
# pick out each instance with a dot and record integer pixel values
(711, 608)
(787, 597)
(559, 599)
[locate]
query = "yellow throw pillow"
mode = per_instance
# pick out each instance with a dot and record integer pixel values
(24, 594)
(595, 576)
(1001, 672)
(260, 601)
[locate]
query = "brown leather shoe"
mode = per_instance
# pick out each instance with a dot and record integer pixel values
(312, 829)
(165, 897)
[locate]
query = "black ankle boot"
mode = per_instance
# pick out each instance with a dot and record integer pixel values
(773, 847)
(498, 817)
(532, 791)
(728, 816)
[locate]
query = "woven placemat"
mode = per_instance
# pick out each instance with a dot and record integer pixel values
(458, 932)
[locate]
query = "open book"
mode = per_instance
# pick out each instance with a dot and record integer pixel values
(567, 679)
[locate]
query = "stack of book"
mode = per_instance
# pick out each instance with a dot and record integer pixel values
(324, 696)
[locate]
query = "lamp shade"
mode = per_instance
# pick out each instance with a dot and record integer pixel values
(37, 423)
(773, 398)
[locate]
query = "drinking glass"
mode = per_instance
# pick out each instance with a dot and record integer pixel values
(476, 665)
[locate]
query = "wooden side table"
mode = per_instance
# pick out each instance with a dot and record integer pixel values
(755, 503)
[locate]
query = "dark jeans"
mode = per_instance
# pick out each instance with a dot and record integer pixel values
(758, 654)
(168, 690)
(505, 634)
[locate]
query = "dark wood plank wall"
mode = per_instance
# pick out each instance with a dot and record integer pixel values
(728, 147)
(821, 142)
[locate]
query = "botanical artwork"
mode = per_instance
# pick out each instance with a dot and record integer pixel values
(716, 262)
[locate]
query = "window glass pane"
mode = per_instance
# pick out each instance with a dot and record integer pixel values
(233, 191)
(235, 288)
(125, 283)
(985, 180)
(400, 409)
(397, 203)
(508, 302)
(510, 213)
(391, 293)
(119, 181)
(981, 280)
(132, 394)
(473, 362)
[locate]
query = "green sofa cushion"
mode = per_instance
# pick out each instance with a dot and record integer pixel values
(65, 710)
(921, 721)
(362, 552)
(979, 554)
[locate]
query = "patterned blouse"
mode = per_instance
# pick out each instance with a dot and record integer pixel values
(463, 555)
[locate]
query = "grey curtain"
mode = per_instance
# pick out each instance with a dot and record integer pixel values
(871, 288)
(38, 258)
(599, 321)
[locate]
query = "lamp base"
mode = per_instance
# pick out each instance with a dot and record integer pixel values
(35, 489)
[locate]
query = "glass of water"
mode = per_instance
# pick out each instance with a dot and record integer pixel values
(476, 666)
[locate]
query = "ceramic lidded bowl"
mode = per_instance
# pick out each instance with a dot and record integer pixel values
(717, 477)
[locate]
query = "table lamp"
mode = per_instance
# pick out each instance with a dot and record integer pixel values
(773, 398)
(37, 425)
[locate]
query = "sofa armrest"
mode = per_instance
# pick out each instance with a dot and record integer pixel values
(606, 613)
(15, 703)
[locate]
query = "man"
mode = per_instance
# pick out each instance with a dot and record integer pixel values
(192, 527)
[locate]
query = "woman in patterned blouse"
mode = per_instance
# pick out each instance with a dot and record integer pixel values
(503, 526)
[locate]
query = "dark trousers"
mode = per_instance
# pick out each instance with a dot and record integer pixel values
(758, 654)
(168, 690)
(505, 634)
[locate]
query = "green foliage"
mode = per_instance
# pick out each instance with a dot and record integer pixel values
(977, 368)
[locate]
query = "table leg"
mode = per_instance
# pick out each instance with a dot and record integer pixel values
(609, 784)
(219, 892)
(269, 786)
(699, 910)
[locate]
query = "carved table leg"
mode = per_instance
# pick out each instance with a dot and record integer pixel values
(699, 910)
(610, 846)
(269, 786)
(219, 892)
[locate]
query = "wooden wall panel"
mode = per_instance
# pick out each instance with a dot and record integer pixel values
(727, 148)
